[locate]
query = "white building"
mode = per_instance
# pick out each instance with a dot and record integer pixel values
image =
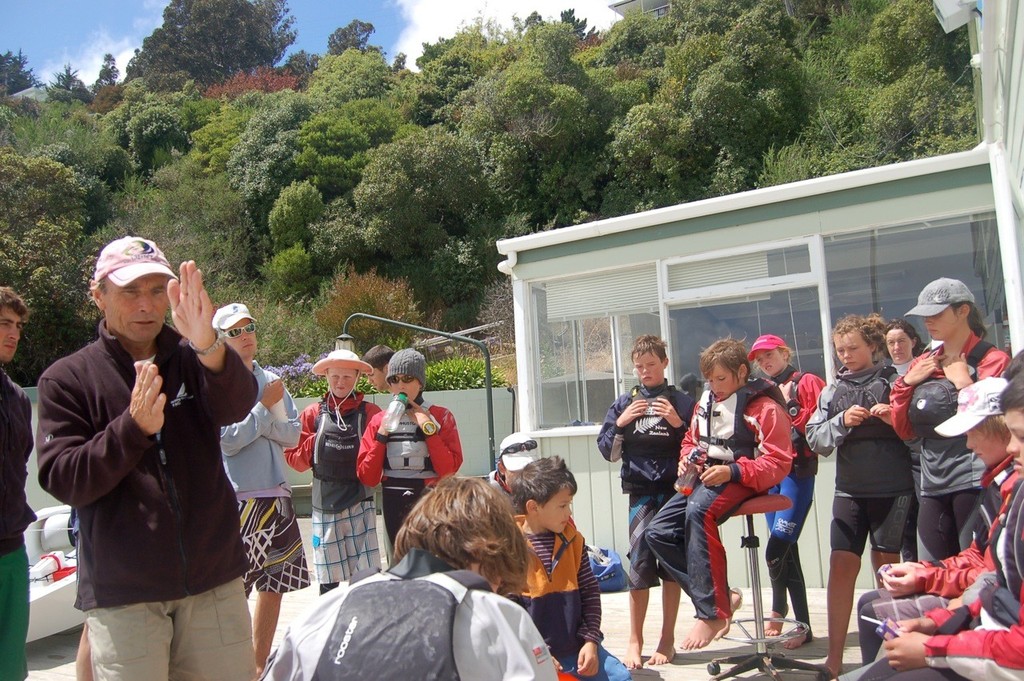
(788, 260)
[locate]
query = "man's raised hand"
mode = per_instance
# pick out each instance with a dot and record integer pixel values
(191, 308)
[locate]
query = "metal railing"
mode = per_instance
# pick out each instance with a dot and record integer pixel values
(451, 336)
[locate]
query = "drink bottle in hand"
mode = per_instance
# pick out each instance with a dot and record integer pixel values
(394, 412)
(694, 464)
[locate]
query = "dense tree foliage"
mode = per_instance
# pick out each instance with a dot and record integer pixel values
(41, 255)
(109, 74)
(210, 40)
(341, 182)
(15, 75)
(66, 86)
(354, 36)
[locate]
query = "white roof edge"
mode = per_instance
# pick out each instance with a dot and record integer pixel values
(749, 199)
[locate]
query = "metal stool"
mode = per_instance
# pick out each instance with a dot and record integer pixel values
(762, 658)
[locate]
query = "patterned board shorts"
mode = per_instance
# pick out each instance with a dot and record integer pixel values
(644, 567)
(273, 545)
(345, 542)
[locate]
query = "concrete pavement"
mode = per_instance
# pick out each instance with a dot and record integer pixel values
(52, 659)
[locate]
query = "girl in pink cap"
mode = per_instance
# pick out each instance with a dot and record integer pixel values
(801, 390)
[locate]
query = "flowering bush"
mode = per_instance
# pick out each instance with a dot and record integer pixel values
(298, 376)
(263, 79)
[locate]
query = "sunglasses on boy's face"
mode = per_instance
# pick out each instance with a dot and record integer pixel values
(235, 333)
(392, 380)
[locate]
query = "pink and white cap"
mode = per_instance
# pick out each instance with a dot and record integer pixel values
(975, 403)
(125, 260)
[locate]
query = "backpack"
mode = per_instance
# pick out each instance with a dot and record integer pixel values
(934, 400)
(607, 568)
(377, 618)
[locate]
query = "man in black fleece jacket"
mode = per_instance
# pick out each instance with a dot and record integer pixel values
(129, 433)
(15, 514)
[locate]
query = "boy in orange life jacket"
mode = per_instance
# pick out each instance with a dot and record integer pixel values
(562, 595)
(743, 428)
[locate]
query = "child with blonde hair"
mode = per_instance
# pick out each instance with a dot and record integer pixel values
(874, 487)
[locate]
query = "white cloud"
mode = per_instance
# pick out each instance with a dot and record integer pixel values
(88, 58)
(428, 20)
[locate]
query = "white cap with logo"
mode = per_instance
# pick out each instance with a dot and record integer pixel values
(974, 404)
(229, 315)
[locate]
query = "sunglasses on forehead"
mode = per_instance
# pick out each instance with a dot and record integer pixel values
(392, 380)
(235, 333)
(517, 447)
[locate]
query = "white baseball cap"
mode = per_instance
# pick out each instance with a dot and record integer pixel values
(974, 404)
(229, 315)
(517, 450)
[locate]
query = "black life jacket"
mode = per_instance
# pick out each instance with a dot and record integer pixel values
(648, 434)
(934, 399)
(335, 451)
(721, 430)
(805, 461)
(874, 390)
(397, 629)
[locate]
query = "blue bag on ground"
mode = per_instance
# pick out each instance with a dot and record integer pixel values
(607, 567)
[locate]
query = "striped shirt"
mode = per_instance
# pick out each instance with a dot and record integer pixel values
(543, 545)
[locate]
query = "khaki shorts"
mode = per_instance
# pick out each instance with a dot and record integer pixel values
(206, 636)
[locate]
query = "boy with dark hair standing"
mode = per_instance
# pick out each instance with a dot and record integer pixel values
(644, 429)
(378, 357)
(562, 594)
(15, 514)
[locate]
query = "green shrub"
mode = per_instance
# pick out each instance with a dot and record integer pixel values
(456, 373)
(297, 206)
(461, 373)
(289, 274)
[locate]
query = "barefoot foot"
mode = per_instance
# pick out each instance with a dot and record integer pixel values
(797, 641)
(633, 658)
(835, 667)
(773, 628)
(704, 632)
(665, 653)
(735, 603)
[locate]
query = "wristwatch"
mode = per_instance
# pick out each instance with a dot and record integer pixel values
(429, 428)
(219, 341)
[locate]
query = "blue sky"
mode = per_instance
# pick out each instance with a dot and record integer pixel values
(52, 33)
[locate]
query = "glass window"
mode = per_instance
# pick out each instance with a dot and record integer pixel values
(794, 315)
(578, 376)
(704, 273)
(884, 270)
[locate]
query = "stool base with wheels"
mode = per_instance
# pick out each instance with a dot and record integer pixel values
(762, 659)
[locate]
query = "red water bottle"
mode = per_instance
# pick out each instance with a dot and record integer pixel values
(694, 465)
